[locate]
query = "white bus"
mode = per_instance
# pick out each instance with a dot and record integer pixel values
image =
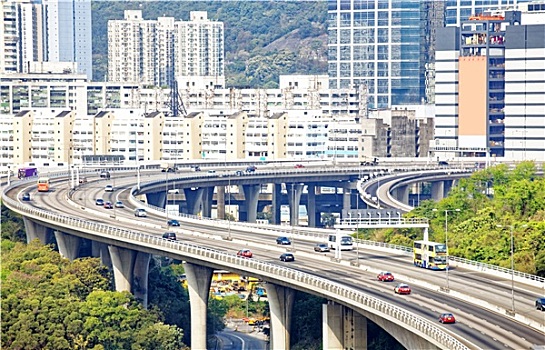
(340, 239)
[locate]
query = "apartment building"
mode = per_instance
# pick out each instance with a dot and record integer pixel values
(490, 93)
(157, 52)
(45, 30)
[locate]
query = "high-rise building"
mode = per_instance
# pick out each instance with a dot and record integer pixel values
(490, 96)
(158, 51)
(383, 45)
(458, 11)
(45, 30)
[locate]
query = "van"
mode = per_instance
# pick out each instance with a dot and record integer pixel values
(140, 212)
(104, 174)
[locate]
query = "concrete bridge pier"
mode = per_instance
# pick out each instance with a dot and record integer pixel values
(251, 197)
(221, 202)
(199, 279)
(343, 328)
(207, 200)
(100, 250)
(68, 245)
(311, 205)
(131, 272)
(193, 199)
(276, 203)
(347, 204)
(281, 305)
(437, 190)
(447, 186)
(294, 191)
(35, 230)
(158, 199)
(402, 194)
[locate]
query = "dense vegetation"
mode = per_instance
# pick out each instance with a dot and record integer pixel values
(492, 202)
(263, 39)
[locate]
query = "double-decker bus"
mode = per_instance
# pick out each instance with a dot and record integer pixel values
(342, 240)
(43, 184)
(430, 255)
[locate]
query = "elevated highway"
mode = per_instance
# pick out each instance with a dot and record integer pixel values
(339, 280)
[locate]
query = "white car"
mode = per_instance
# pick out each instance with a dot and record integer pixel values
(174, 191)
(109, 188)
(140, 212)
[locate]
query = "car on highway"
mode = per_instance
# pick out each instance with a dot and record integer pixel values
(99, 201)
(540, 304)
(174, 191)
(173, 222)
(385, 276)
(109, 188)
(82, 180)
(250, 168)
(321, 247)
(239, 173)
(108, 205)
(447, 317)
(402, 288)
(119, 204)
(171, 236)
(287, 257)
(211, 171)
(299, 166)
(245, 253)
(283, 240)
(140, 212)
(105, 174)
(26, 196)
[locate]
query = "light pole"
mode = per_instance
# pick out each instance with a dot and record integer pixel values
(379, 217)
(229, 205)
(389, 217)
(446, 239)
(512, 249)
(369, 214)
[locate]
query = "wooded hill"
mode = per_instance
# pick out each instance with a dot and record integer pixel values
(263, 39)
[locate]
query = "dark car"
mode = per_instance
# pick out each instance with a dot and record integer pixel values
(287, 257)
(108, 205)
(385, 276)
(99, 201)
(540, 304)
(239, 173)
(26, 196)
(442, 163)
(105, 174)
(283, 241)
(447, 318)
(173, 222)
(250, 168)
(170, 236)
(321, 247)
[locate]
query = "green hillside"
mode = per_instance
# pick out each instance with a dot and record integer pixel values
(263, 39)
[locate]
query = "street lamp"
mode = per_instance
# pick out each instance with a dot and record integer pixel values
(379, 217)
(512, 248)
(369, 214)
(229, 205)
(389, 217)
(446, 239)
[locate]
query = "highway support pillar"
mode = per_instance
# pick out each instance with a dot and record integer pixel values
(437, 190)
(68, 245)
(131, 271)
(193, 199)
(251, 198)
(402, 194)
(294, 191)
(447, 186)
(311, 209)
(35, 230)
(343, 328)
(100, 250)
(207, 200)
(220, 199)
(199, 279)
(281, 305)
(347, 205)
(276, 204)
(158, 199)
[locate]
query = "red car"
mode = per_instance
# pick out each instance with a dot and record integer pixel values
(108, 205)
(299, 166)
(402, 288)
(385, 277)
(245, 253)
(447, 318)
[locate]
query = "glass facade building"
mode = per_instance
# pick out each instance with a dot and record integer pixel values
(382, 44)
(458, 11)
